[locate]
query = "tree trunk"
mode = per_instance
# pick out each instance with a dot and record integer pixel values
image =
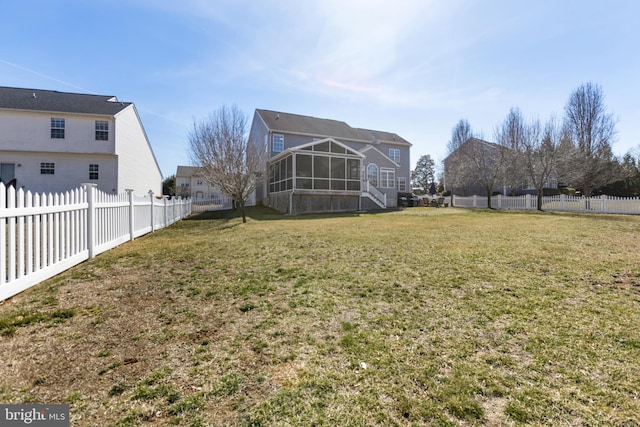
(244, 216)
(540, 199)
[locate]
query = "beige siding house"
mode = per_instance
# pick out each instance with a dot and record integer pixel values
(54, 141)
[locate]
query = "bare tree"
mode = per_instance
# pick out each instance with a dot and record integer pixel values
(540, 148)
(456, 175)
(228, 160)
(591, 131)
(510, 136)
(460, 133)
(485, 161)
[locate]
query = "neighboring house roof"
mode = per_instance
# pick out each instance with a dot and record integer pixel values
(59, 102)
(476, 141)
(187, 171)
(322, 128)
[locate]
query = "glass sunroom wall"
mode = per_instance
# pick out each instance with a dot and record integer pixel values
(281, 175)
(304, 171)
(326, 172)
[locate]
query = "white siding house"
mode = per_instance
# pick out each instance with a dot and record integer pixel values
(54, 141)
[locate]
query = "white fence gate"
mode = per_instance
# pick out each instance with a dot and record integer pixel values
(42, 235)
(562, 202)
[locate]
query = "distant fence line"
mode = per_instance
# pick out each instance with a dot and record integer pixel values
(562, 202)
(218, 202)
(42, 235)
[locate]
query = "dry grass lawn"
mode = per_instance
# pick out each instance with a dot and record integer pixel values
(419, 317)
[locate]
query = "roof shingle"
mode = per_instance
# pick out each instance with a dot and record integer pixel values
(60, 102)
(295, 123)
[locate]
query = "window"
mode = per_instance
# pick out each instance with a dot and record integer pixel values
(198, 181)
(47, 168)
(402, 184)
(394, 154)
(372, 174)
(102, 130)
(93, 171)
(278, 143)
(57, 128)
(387, 178)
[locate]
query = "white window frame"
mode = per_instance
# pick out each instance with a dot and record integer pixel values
(47, 168)
(94, 171)
(394, 154)
(102, 130)
(277, 138)
(369, 174)
(402, 184)
(387, 178)
(58, 128)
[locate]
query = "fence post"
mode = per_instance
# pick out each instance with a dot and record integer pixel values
(166, 221)
(11, 227)
(153, 226)
(90, 191)
(474, 200)
(563, 199)
(3, 235)
(499, 197)
(131, 213)
(605, 205)
(528, 201)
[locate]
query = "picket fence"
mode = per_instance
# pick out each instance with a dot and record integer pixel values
(218, 202)
(562, 202)
(42, 235)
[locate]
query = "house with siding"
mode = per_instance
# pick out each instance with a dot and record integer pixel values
(476, 162)
(190, 183)
(54, 141)
(324, 165)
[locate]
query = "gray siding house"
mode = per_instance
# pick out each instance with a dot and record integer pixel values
(322, 165)
(469, 168)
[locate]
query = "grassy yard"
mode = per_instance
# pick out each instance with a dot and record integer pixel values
(438, 317)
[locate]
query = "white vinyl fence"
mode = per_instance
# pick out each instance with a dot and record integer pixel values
(598, 204)
(42, 235)
(218, 202)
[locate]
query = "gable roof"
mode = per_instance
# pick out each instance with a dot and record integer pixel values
(59, 102)
(189, 171)
(324, 128)
(371, 147)
(310, 147)
(477, 142)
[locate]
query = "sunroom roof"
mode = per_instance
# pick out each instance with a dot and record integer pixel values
(326, 145)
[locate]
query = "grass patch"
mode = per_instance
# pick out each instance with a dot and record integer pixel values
(411, 318)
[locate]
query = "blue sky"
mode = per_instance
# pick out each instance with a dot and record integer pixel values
(410, 67)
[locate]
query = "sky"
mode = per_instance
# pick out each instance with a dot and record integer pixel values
(411, 67)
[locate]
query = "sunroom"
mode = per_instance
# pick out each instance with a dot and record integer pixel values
(321, 176)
